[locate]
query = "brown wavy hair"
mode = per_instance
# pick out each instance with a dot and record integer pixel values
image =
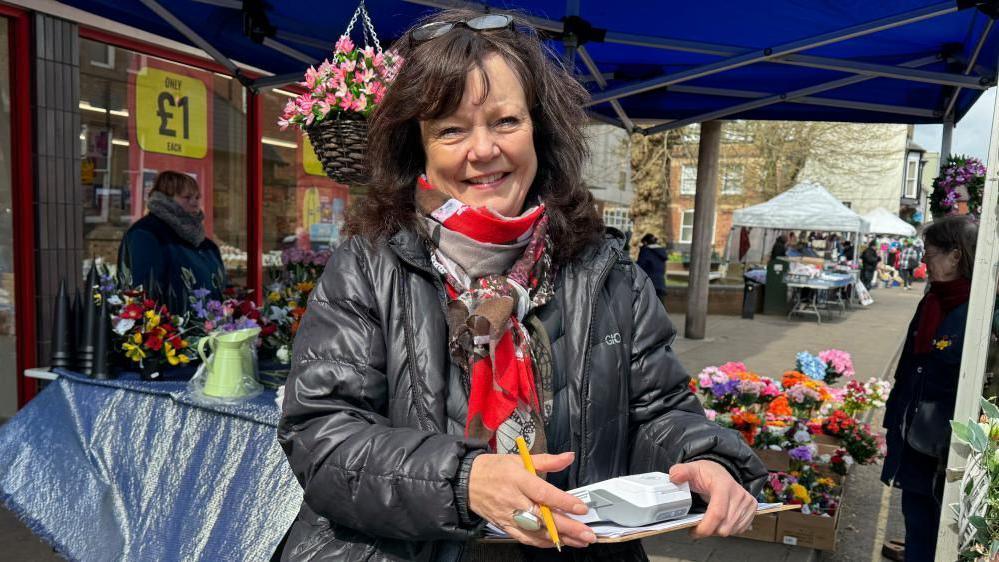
(431, 84)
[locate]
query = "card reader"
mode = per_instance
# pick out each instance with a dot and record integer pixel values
(636, 500)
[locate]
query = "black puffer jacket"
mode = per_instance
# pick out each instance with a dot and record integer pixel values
(374, 418)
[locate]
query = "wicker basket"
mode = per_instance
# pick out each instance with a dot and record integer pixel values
(341, 145)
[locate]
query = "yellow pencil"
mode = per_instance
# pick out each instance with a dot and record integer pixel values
(546, 512)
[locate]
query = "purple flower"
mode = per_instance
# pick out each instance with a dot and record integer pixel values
(201, 293)
(802, 453)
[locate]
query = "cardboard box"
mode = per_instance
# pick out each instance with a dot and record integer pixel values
(775, 461)
(763, 528)
(809, 531)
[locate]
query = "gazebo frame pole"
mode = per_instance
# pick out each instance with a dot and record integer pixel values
(708, 152)
(976, 340)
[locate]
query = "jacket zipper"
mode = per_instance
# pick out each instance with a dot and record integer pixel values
(585, 386)
(421, 413)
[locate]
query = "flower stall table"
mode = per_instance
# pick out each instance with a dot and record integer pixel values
(131, 470)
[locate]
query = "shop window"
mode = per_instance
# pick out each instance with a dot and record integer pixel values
(8, 357)
(303, 208)
(688, 179)
(141, 115)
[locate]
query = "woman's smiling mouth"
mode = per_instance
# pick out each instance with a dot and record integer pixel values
(490, 181)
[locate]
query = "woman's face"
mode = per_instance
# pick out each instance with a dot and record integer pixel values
(941, 265)
(483, 153)
(189, 201)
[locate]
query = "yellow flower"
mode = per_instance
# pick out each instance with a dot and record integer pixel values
(800, 493)
(134, 352)
(152, 320)
(172, 356)
(305, 286)
(942, 344)
(137, 338)
(274, 296)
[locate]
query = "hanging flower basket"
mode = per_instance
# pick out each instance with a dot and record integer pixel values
(959, 187)
(339, 97)
(340, 144)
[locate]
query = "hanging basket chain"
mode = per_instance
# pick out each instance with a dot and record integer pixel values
(367, 27)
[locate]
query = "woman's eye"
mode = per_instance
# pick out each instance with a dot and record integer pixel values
(449, 132)
(508, 121)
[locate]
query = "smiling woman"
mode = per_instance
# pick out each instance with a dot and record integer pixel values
(478, 304)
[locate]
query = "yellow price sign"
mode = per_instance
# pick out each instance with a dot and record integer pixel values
(310, 161)
(171, 113)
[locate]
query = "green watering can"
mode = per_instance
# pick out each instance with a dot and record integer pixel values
(231, 362)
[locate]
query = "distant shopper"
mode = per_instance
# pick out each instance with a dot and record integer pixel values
(869, 264)
(848, 252)
(921, 403)
(652, 259)
(166, 251)
(908, 262)
(779, 248)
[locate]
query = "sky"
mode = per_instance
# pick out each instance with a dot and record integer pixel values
(971, 134)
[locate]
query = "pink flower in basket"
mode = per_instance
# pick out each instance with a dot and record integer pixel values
(352, 81)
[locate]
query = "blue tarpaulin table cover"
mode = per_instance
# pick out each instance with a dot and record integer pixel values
(133, 470)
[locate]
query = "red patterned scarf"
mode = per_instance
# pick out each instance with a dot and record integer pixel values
(486, 336)
(936, 305)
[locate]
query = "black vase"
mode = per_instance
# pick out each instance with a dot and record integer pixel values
(88, 335)
(62, 325)
(102, 368)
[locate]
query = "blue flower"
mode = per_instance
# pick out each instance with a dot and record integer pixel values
(201, 293)
(812, 366)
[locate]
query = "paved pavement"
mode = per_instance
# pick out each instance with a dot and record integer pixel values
(767, 344)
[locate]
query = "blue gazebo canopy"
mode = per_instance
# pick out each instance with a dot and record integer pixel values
(662, 65)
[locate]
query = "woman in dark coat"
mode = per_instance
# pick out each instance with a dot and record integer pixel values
(921, 403)
(478, 300)
(166, 252)
(869, 264)
(652, 259)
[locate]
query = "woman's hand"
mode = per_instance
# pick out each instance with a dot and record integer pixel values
(498, 485)
(731, 508)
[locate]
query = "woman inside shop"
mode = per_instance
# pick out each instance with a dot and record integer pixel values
(166, 252)
(477, 301)
(921, 403)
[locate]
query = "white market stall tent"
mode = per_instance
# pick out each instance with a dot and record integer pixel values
(806, 206)
(884, 221)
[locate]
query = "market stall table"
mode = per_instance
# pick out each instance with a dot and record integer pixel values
(821, 289)
(126, 469)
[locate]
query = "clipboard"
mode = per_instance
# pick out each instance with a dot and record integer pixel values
(683, 523)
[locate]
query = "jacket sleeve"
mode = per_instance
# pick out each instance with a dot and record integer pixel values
(668, 425)
(354, 467)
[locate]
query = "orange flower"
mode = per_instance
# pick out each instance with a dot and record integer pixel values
(792, 378)
(779, 407)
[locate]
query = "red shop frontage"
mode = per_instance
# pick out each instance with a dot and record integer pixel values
(91, 111)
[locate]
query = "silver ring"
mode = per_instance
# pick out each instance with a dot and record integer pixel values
(526, 520)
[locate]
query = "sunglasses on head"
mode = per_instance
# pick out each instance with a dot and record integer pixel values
(436, 29)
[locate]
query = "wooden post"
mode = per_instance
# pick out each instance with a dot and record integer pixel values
(975, 350)
(708, 151)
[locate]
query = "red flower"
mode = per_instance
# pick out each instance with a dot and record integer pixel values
(132, 312)
(267, 330)
(149, 304)
(154, 342)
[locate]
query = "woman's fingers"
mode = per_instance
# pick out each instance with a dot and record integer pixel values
(570, 530)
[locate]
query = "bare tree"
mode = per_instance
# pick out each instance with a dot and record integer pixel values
(650, 165)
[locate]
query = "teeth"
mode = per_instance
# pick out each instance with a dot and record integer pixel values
(486, 179)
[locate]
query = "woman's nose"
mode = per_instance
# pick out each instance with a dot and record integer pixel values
(483, 145)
